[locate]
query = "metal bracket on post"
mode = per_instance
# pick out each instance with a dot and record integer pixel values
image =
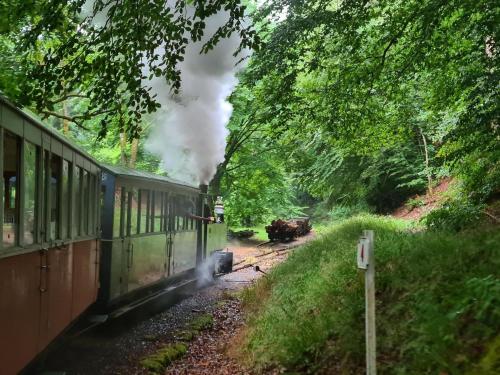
(366, 262)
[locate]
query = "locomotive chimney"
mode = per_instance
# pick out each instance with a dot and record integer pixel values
(203, 188)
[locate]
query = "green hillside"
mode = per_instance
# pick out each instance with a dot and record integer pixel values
(438, 303)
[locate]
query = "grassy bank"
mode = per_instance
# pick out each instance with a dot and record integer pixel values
(438, 304)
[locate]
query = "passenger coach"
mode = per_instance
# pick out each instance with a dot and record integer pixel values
(149, 234)
(49, 256)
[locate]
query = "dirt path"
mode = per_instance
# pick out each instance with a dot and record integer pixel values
(119, 350)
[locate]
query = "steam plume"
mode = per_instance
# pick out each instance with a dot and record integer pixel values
(189, 132)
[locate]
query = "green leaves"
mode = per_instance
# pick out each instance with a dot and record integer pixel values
(108, 49)
(379, 98)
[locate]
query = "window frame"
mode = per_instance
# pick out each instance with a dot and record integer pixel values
(19, 191)
(141, 209)
(22, 204)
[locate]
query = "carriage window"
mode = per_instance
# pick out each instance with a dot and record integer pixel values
(85, 204)
(184, 214)
(163, 212)
(152, 211)
(65, 198)
(185, 210)
(134, 205)
(11, 183)
(191, 211)
(77, 201)
(143, 209)
(158, 213)
(179, 214)
(165, 226)
(55, 194)
(92, 203)
(124, 214)
(30, 169)
(117, 218)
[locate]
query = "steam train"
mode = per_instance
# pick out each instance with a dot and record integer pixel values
(80, 235)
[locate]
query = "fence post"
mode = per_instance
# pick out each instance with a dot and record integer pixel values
(371, 340)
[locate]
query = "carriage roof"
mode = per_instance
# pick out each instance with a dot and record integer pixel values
(133, 173)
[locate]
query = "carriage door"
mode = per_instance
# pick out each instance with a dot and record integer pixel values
(170, 233)
(126, 259)
(44, 236)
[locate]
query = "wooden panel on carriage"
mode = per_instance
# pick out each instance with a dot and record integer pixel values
(85, 280)
(48, 254)
(19, 310)
(216, 237)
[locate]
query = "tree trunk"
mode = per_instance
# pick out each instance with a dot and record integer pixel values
(427, 170)
(123, 148)
(133, 153)
(65, 121)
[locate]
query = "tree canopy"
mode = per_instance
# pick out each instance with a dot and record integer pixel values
(346, 102)
(104, 52)
(374, 100)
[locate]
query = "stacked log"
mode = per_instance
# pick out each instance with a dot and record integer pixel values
(287, 230)
(303, 226)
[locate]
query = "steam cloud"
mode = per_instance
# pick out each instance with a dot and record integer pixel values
(189, 132)
(204, 272)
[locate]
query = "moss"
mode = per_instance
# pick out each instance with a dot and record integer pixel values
(187, 335)
(157, 362)
(202, 322)
(198, 324)
(152, 364)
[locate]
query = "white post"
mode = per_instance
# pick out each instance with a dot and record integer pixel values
(371, 341)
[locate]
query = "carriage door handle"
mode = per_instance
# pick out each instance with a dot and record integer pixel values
(44, 269)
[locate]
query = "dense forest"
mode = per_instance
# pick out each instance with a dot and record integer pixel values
(347, 112)
(341, 107)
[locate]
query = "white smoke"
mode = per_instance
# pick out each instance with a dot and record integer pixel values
(189, 131)
(205, 271)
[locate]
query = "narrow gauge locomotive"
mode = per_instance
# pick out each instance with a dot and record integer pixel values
(80, 235)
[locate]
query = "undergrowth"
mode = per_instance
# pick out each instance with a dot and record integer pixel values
(438, 303)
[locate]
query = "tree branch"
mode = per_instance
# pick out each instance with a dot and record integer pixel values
(77, 119)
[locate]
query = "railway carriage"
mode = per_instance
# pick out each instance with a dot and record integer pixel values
(79, 235)
(149, 235)
(49, 256)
